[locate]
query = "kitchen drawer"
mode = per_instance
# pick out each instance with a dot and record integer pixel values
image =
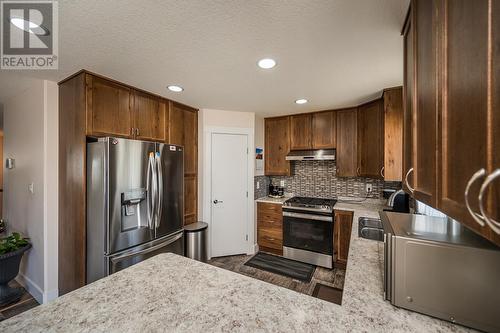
(270, 238)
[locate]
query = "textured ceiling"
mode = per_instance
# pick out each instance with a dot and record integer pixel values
(335, 53)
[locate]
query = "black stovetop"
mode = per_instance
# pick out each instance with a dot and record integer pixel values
(313, 203)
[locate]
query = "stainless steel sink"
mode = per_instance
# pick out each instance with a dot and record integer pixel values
(370, 228)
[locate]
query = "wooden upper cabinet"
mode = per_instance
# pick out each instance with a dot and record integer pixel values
(347, 143)
(370, 139)
(470, 122)
(408, 106)
(425, 115)
(109, 108)
(176, 125)
(150, 114)
(301, 132)
(277, 146)
(324, 130)
(393, 134)
(183, 131)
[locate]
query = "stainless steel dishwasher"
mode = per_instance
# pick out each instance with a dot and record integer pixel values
(437, 267)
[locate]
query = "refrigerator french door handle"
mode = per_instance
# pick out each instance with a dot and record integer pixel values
(151, 190)
(147, 250)
(160, 189)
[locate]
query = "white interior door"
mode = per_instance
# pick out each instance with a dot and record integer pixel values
(229, 199)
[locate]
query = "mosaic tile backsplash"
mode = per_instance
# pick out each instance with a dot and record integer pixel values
(318, 179)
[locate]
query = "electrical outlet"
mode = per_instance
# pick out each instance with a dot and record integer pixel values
(31, 188)
(258, 185)
(282, 183)
(369, 188)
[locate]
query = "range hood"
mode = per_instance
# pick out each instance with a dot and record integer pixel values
(311, 155)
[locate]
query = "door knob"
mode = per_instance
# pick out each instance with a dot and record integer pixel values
(218, 201)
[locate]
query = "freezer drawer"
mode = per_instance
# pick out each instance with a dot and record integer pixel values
(173, 243)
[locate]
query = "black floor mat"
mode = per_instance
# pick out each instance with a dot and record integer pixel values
(287, 267)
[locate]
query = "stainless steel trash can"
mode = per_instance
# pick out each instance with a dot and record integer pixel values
(196, 241)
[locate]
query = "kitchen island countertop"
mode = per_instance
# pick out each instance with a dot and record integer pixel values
(172, 293)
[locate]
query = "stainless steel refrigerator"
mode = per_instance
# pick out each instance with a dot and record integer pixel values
(135, 203)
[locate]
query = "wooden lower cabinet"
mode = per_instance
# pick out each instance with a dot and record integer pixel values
(341, 237)
(270, 227)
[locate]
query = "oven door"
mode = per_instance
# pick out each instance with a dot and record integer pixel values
(308, 232)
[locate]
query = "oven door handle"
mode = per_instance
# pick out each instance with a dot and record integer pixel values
(309, 216)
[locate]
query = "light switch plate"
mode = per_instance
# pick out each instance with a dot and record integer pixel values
(258, 185)
(31, 188)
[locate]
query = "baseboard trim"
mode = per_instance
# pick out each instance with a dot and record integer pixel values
(50, 295)
(31, 287)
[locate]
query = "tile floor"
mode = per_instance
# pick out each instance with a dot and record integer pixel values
(329, 277)
(24, 304)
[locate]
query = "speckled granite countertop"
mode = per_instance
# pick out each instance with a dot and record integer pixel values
(363, 296)
(175, 294)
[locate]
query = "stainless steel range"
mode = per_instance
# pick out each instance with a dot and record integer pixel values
(308, 230)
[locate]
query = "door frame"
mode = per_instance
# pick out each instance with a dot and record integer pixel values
(207, 182)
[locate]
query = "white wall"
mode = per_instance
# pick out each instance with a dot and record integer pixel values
(51, 189)
(214, 120)
(30, 137)
(259, 139)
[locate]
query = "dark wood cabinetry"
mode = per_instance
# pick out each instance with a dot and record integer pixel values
(270, 227)
(150, 115)
(451, 110)
(393, 134)
(301, 131)
(277, 146)
(347, 146)
(109, 108)
(342, 237)
(370, 140)
(183, 124)
(324, 130)
(425, 112)
(94, 106)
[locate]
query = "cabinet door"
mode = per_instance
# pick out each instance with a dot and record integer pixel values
(408, 101)
(109, 108)
(324, 130)
(393, 134)
(342, 237)
(190, 199)
(300, 132)
(183, 130)
(371, 139)
(425, 113)
(270, 227)
(347, 143)
(176, 125)
(150, 117)
(469, 111)
(277, 146)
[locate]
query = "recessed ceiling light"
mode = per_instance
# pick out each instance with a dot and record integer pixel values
(29, 26)
(266, 63)
(175, 88)
(301, 101)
